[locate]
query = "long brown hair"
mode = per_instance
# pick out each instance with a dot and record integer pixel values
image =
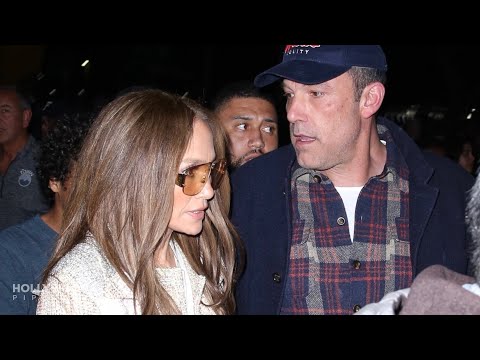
(122, 193)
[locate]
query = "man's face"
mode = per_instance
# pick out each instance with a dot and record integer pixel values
(252, 128)
(13, 119)
(325, 122)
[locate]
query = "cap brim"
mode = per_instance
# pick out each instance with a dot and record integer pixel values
(301, 71)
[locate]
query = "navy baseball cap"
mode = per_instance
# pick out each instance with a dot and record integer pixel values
(314, 64)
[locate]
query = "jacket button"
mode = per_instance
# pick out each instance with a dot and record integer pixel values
(341, 221)
(356, 264)
(316, 179)
(277, 278)
(356, 308)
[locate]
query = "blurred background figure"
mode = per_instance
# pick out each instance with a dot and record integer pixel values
(25, 248)
(435, 144)
(50, 115)
(21, 195)
(460, 149)
(250, 120)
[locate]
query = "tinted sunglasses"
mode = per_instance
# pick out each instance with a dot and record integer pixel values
(193, 179)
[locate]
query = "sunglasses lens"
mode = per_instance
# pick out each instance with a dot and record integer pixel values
(196, 179)
(218, 170)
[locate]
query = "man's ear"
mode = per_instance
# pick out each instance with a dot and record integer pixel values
(372, 98)
(26, 117)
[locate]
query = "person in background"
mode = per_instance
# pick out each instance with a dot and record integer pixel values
(353, 209)
(50, 114)
(250, 120)
(460, 150)
(146, 230)
(25, 248)
(435, 144)
(21, 195)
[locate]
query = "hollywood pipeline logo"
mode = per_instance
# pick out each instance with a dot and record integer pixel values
(299, 49)
(26, 291)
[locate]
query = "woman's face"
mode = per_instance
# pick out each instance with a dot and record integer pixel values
(189, 211)
(467, 159)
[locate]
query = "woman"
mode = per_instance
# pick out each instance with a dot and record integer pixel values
(146, 230)
(466, 159)
(460, 149)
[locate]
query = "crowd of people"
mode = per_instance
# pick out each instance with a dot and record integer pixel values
(156, 204)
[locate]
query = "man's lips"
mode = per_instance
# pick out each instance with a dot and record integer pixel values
(303, 139)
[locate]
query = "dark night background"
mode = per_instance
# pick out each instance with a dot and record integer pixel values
(443, 75)
(433, 79)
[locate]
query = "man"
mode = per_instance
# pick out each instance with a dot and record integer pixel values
(26, 248)
(249, 118)
(438, 290)
(352, 209)
(21, 195)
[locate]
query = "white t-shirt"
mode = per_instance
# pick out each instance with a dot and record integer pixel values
(349, 196)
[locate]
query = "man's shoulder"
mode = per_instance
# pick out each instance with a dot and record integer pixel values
(447, 169)
(27, 231)
(27, 244)
(270, 165)
(442, 162)
(423, 163)
(31, 150)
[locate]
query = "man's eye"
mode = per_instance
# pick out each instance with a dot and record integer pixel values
(316, 93)
(288, 95)
(241, 126)
(268, 129)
